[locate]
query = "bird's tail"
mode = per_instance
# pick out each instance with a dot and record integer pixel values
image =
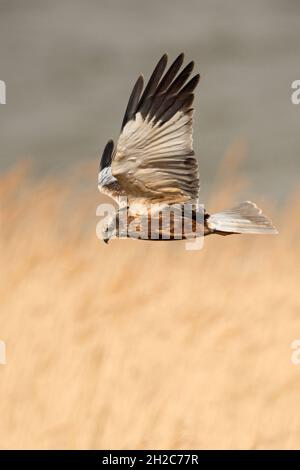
(244, 218)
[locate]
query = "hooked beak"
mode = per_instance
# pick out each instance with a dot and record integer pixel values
(106, 240)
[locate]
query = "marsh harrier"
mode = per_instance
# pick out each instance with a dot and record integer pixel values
(153, 163)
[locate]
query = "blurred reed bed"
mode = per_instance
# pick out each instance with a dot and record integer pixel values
(142, 344)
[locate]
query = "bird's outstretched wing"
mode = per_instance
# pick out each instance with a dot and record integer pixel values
(106, 158)
(154, 159)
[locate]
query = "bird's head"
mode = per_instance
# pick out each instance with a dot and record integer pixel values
(109, 230)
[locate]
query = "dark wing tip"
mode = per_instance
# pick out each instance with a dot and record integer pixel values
(162, 91)
(107, 155)
(177, 98)
(197, 78)
(190, 86)
(190, 66)
(133, 100)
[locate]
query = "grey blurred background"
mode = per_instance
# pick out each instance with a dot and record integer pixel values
(69, 67)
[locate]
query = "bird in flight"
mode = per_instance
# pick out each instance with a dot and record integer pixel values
(153, 164)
